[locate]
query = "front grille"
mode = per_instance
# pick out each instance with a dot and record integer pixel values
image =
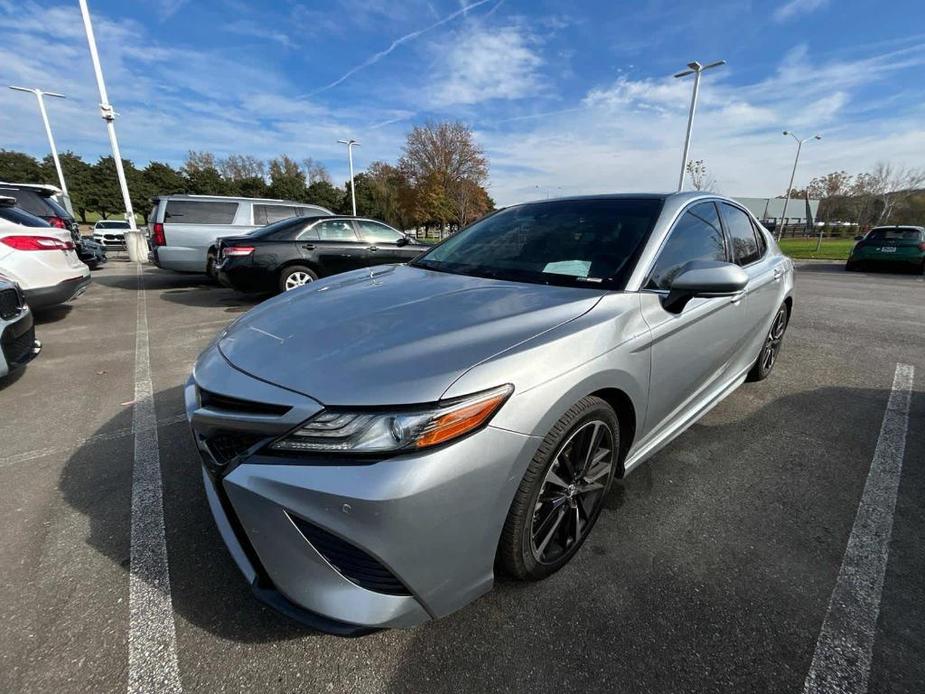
(227, 445)
(10, 304)
(214, 401)
(18, 349)
(351, 562)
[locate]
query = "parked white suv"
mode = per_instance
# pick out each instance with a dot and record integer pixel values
(43, 262)
(182, 228)
(111, 232)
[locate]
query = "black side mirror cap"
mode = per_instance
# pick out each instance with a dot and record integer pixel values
(707, 278)
(403, 241)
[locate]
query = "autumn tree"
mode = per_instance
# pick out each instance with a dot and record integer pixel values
(287, 181)
(442, 162)
(315, 171)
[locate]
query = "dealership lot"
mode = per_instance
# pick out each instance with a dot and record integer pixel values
(711, 569)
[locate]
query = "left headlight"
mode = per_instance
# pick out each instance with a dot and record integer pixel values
(354, 431)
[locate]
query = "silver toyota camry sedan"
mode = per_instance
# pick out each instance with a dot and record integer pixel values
(378, 444)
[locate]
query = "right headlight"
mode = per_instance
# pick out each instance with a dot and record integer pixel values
(357, 431)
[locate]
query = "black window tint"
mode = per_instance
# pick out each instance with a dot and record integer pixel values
(374, 232)
(17, 216)
(336, 230)
(894, 234)
(696, 236)
(762, 241)
(30, 201)
(741, 235)
(200, 212)
(267, 214)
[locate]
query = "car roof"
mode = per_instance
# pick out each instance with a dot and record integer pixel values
(231, 198)
(41, 188)
(908, 227)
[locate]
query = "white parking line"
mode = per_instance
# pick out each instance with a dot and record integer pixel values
(152, 641)
(844, 649)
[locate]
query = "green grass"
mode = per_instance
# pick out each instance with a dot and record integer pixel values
(831, 249)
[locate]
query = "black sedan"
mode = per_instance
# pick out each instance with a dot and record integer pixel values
(296, 251)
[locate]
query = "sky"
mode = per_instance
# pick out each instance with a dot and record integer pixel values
(566, 98)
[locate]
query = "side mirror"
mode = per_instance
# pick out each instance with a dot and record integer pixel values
(707, 278)
(403, 241)
(859, 237)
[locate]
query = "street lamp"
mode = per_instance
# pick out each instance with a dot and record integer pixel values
(548, 189)
(351, 143)
(695, 69)
(40, 97)
(800, 142)
(134, 243)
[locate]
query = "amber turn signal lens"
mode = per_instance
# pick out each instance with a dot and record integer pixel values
(463, 418)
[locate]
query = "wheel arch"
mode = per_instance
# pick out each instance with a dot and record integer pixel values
(622, 404)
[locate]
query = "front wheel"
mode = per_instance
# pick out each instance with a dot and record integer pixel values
(771, 348)
(561, 495)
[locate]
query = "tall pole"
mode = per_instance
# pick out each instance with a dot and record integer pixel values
(133, 242)
(351, 143)
(796, 160)
(40, 97)
(695, 69)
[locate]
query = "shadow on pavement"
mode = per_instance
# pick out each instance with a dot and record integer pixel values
(713, 563)
(187, 289)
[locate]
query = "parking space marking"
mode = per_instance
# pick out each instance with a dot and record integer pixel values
(87, 440)
(841, 662)
(152, 640)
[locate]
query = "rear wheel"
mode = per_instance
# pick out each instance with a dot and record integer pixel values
(295, 276)
(771, 348)
(210, 264)
(561, 495)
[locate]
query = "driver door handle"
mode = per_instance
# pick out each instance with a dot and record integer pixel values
(372, 248)
(308, 246)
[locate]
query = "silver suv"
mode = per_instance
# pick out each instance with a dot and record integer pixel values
(182, 228)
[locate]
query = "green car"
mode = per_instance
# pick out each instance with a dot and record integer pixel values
(897, 246)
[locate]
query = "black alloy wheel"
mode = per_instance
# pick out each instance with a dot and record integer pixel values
(562, 493)
(771, 348)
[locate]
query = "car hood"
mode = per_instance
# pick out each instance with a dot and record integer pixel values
(398, 335)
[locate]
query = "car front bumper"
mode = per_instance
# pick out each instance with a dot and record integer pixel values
(18, 345)
(351, 543)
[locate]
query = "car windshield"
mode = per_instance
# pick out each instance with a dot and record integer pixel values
(588, 242)
(897, 234)
(112, 225)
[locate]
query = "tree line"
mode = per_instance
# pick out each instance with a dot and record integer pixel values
(438, 182)
(888, 194)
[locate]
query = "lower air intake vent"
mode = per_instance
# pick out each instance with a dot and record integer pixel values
(224, 446)
(9, 303)
(351, 562)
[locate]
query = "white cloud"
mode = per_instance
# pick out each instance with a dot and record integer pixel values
(794, 8)
(486, 64)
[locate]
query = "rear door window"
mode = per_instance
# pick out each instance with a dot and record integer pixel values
(311, 212)
(200, 212)
(745, 248)
(696, 236)
(335, 230)
(267, 214)
(374, 232)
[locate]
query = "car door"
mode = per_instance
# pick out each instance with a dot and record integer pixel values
(692, 350)
(382, 243)
(765, 270)
(337, 248)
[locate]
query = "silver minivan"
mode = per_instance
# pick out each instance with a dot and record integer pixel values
(183, 228)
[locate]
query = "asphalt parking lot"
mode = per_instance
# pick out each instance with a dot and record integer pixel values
(711, 568)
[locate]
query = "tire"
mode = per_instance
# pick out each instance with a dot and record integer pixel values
(767, 358)
(851, 266)
(536, 520)
(289, 278)
(210, 265)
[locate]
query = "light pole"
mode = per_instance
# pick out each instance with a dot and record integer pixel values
(548, 189)
(695, 69)
(351, 143)
(134, 243)
(783, 216)
(40, 97)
